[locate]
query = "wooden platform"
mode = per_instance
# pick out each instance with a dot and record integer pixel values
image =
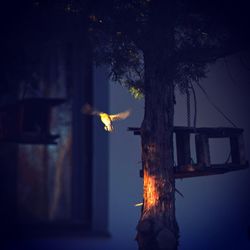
(215, 132)
(212, 170)
(203, 167)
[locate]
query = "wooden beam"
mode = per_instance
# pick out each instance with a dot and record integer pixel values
(216, 132)
(202, 150)
(212, 170)
(237, 149)
(183, 148)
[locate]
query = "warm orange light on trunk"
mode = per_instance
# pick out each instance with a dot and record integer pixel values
(151, 195)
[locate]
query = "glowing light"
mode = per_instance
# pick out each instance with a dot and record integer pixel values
(151, 195)
(189, 168)
(138, 204)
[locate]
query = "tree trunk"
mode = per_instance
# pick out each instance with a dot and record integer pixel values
(157, 227)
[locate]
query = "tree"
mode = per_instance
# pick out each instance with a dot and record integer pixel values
(154, 47)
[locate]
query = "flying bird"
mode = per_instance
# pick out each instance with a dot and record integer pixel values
(106, 118)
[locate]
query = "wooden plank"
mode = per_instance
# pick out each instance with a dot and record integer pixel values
(213, 170)
(221, 132)
(215, 132)
(202, 145)
(202, 150)
(183, 148)
(237, 149)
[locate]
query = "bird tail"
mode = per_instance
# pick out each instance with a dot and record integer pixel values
(88, 110)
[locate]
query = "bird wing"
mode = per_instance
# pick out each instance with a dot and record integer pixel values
(88, 110)
(120, 116)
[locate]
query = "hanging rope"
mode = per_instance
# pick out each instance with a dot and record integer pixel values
(195, 109)
(188, 107)
(215, 106)
(188, 99)
(190, 87)
(195, 104)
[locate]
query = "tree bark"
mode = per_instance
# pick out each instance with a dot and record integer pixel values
(157, 228)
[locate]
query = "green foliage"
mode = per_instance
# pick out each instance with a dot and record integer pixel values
(122, 33)
(136, 93)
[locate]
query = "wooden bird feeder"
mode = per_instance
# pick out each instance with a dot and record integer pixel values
(28, 121)
(186, 168)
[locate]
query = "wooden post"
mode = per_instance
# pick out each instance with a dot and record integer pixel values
(183, 148)
(237, 149)
(202, 150)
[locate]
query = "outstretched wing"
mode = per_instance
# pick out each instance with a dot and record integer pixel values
(120, 116)
(88, 110)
